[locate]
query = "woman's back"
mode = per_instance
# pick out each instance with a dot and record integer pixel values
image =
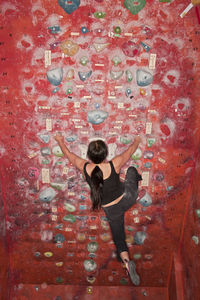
(112, 187)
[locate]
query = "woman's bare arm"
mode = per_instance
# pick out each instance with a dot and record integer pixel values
(121, 159)
(73, 158)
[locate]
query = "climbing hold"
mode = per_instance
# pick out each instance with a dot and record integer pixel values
(128, 92)
(117, 30)
(198, 213)
(81, 237)
(195, 239)
(70, 207)
(55, 90)
(69, 218)
(105, 237)
(125, 140)
(55, 76)
(146, 200)
(143, 78)
(139, 237)
(70, 74)
(54, 45)
(130, 49)
(89, 265)
(145, 46)
(33, 172)
(44, 138)
(137, 154)
(100, 47)
(97, 105)
(147, 30)
(59, 238)
(71, 138)
(84, 75)
(116, 75)
(92, 247)
(116, 60)
(84, 30)
(48, 254)
(148, 165)
(69, 91)
(124, 281)
(45, 151)
(150, 142)
(59, 280)
(57, 151)
(47, 195)
(89, 289)
(148, 154)
(91, 279)
(54, 29)
(165, 129)
(99, 15)
(46, 235)
(129, 75)
(96, 116)
(69, 47)
(69, 6)
(84, 60)
(134, 6)
(142, 92)
(159, 176)
(58, 186)
(137, 256)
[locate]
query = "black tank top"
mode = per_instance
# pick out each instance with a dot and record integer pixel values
(113, 188)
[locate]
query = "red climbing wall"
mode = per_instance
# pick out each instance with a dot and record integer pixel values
(96, 69)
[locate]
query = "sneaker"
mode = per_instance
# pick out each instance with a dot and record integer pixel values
(131, 267)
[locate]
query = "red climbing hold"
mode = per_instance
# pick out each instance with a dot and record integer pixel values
(165, 129)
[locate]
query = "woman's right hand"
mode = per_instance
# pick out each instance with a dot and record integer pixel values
(58, 137)
(138, 139)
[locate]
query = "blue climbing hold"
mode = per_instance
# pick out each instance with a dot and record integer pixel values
(69, 6)
(59, 238)
(84, 75)
(96, 116)
(84, 30)
(143, 78)
(139, 237)
(47, 195)
(146, 200)
(54, 29)
(55, 76)
(128, 92)
(145, 46)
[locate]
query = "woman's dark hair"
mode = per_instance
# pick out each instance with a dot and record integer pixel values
(97, 152)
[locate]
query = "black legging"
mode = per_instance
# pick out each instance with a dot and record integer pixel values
(115, 213)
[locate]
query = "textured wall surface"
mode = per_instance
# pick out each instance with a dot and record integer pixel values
(96, 69)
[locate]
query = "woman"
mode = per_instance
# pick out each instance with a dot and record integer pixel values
(107, 191)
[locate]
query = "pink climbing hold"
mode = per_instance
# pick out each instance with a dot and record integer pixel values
(131, 49)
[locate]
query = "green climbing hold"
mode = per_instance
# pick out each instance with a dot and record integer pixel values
(129, 75)
(137, 154)
(99, 15)
(69, 218)
(117, 30)
(137, 256)
(134, 6)
(150, 142)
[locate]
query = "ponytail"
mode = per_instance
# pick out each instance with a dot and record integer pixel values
(96, 188)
